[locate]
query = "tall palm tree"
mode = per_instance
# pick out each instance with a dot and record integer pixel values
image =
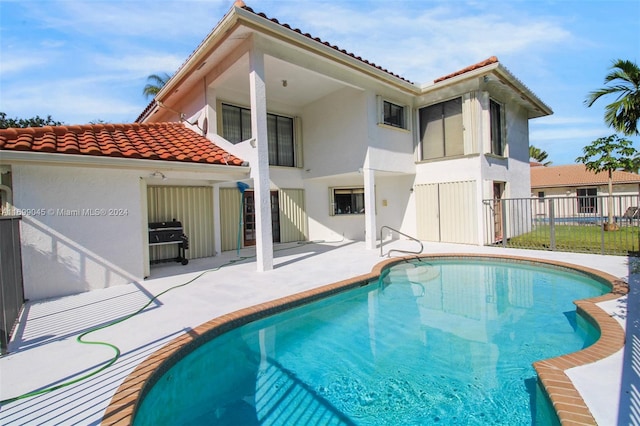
(538, 155)
(622, 114)
(155, 82)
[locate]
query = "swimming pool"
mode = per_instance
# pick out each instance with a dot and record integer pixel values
(431, 341)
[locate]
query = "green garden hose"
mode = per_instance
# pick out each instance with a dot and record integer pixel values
(80, 338)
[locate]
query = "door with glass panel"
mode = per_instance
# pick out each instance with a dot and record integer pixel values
(249, 218)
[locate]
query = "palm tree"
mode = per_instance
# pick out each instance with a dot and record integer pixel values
(538, 155)
(155, 83)
(622, 114)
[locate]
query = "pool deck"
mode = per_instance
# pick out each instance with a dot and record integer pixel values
(44, 351)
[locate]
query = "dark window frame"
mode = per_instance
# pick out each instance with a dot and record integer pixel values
(393, 115)
(587, 200)
(441, 114)
(347, 201)
(497, 128)
(277, 157)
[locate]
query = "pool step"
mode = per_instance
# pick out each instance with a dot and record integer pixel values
(411, 272)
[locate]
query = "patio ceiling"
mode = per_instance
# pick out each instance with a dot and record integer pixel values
(286, 83)
(223, 64)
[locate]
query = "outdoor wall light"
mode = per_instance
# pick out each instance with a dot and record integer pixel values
(157, 174)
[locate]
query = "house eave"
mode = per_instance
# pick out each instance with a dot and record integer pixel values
(305, 42)
(536, 106)
(24, 157)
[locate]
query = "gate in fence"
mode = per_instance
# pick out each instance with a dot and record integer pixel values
(11, 289)
(576, 224)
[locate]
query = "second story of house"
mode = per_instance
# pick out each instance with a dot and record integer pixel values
(330, 112)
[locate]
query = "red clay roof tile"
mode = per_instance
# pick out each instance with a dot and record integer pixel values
(488, 61)
(152, 141)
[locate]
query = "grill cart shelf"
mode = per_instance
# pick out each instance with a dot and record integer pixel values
(163, 233)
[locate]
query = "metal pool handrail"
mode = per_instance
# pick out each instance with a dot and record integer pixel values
(398, 250)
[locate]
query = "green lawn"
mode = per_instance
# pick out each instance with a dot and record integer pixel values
(580, 238)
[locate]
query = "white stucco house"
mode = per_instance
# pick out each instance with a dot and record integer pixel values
(301, 140)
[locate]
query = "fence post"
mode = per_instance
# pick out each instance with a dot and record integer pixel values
(503, 210)
(552, 225)
(602, 237)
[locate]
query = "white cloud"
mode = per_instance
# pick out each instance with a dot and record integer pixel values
(158, 19)
(584, 133)
(19, 64)
(140, 64)
(557, 120)
(75, 100)
(433, 39)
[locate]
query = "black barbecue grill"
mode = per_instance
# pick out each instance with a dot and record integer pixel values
(163, 233)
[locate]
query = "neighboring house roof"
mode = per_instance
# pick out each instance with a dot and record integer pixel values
(152, 141)
(576, 175)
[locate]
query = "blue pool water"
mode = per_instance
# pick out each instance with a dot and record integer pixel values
(444, 342)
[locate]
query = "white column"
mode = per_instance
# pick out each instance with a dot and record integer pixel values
(369, 208)
(210, 111)
(260, 171)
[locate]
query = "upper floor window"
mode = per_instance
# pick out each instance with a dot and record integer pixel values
(236, 127)
(495, 113)
(236, 123)
(441, 131)
(393, 115)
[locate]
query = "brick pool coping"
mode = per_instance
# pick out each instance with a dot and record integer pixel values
(567, 402)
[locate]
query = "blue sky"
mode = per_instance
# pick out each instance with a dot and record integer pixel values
(82, 61)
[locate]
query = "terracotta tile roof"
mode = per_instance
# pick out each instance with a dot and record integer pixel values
(576, 175)
(489, 61)
(150, 141)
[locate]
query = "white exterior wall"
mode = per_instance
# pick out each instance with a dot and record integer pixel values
(335, 134)
(67, 250)
(395, 205)
(515, 169)
(323, 226)
(335, 143)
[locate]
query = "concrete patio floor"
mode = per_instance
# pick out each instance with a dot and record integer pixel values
(44, 351)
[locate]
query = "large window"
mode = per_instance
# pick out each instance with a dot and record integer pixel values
(280, 136)
(441, 130)
(587, 200)
(236, 123)
(236, 127)
(495, 113)
(347, 201)
(393, 115)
